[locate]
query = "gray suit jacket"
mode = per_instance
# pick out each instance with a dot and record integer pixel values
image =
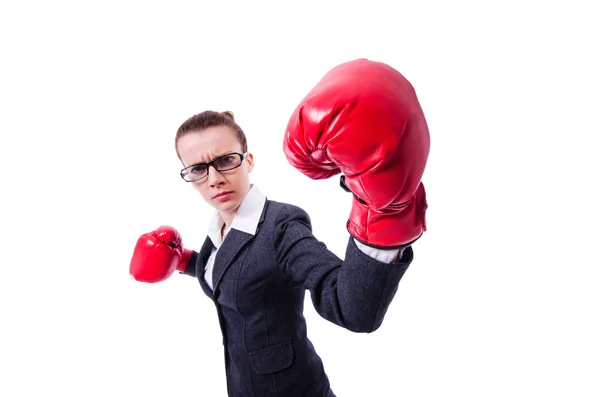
(259, 286)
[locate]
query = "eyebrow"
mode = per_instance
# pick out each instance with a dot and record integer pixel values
(213, 159)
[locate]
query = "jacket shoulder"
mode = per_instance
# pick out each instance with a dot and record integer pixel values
(279, 212)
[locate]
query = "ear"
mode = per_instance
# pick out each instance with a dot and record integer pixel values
(250, 160)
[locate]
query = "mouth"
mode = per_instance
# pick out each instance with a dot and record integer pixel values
(221, 194)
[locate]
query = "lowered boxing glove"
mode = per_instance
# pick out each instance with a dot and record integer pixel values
(363, 119)
(157, 255)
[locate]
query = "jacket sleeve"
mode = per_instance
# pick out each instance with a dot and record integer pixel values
(354, 293)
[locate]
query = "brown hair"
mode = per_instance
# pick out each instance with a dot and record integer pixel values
(210, 118)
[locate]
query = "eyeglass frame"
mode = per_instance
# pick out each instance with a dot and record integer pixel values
(242, 158)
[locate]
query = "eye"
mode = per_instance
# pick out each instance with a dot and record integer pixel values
(198, 169)
(226, 160)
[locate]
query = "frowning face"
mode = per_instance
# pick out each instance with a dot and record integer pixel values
(224, 190)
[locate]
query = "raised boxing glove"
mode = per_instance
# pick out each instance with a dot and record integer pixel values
(363, 119)
(157, 255)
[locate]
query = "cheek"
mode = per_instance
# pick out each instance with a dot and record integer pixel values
(199, 187)
(242, 177)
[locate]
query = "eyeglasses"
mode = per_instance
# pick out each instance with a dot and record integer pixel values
(224, 163)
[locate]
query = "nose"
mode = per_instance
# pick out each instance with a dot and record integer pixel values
(214, 177)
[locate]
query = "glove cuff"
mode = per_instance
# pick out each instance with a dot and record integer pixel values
(390, 227)
(186, 255)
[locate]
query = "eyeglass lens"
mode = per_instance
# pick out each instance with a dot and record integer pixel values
(223, 163)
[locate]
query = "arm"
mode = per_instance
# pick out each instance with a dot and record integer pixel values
(354, 293)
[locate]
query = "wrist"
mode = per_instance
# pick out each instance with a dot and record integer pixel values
(385, 255)
(184, 259)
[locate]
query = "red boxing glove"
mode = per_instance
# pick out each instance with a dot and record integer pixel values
(157, 255)
(363, 119)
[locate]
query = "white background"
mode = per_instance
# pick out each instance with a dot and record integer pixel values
(503, 296)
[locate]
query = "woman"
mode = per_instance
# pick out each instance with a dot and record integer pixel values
(257, 261)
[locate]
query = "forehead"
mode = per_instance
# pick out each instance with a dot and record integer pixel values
(204, 146)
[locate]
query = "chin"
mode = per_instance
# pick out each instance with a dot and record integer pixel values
(228, 206)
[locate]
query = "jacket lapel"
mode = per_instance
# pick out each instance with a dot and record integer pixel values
(231, 248)
(203, 256)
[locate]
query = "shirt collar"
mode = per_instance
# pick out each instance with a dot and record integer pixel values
(246, 218)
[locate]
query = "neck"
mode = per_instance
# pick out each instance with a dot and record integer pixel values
(228, 219)
(224, 230)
